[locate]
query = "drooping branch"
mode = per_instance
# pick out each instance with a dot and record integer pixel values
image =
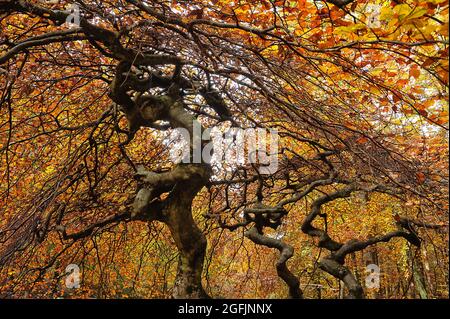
(67, 36)
(262, 216)
(286, 252)
(334, 263)
(110, 39)
(89, 230)
(407, 223)
(324, 239)
(356, 245)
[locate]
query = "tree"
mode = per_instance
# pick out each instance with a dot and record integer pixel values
(356, 89)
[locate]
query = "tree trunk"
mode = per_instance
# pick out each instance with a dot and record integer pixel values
(417, 273)
(190, 241)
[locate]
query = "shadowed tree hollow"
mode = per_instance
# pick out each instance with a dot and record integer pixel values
(93, 92)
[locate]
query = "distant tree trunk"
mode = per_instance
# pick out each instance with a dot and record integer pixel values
(426, 270)
(355, 263)
(417, 273)
(341, 290)
(370, 257)
(319, 292)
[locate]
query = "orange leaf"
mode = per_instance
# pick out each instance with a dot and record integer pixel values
(362, 140)
(414, 71)
(420, 177)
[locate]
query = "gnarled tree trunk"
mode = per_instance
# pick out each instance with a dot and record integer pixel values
(190, 241)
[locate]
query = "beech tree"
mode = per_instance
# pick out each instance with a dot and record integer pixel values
(92, 90)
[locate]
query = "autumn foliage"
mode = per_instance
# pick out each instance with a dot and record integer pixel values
(90, 92)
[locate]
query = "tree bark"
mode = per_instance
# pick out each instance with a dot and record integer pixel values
(190, 241)
(342, 273)
(286, 252)
(417, 273)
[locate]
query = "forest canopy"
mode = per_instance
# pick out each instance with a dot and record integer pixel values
(347, 197)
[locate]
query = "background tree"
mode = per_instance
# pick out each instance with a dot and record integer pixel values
(356, 89)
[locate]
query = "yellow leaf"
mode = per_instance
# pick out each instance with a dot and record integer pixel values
(417, 13)
(376, 72)
(386, 13)
(402, 10)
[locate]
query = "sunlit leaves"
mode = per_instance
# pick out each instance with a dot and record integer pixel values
(362, 79)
